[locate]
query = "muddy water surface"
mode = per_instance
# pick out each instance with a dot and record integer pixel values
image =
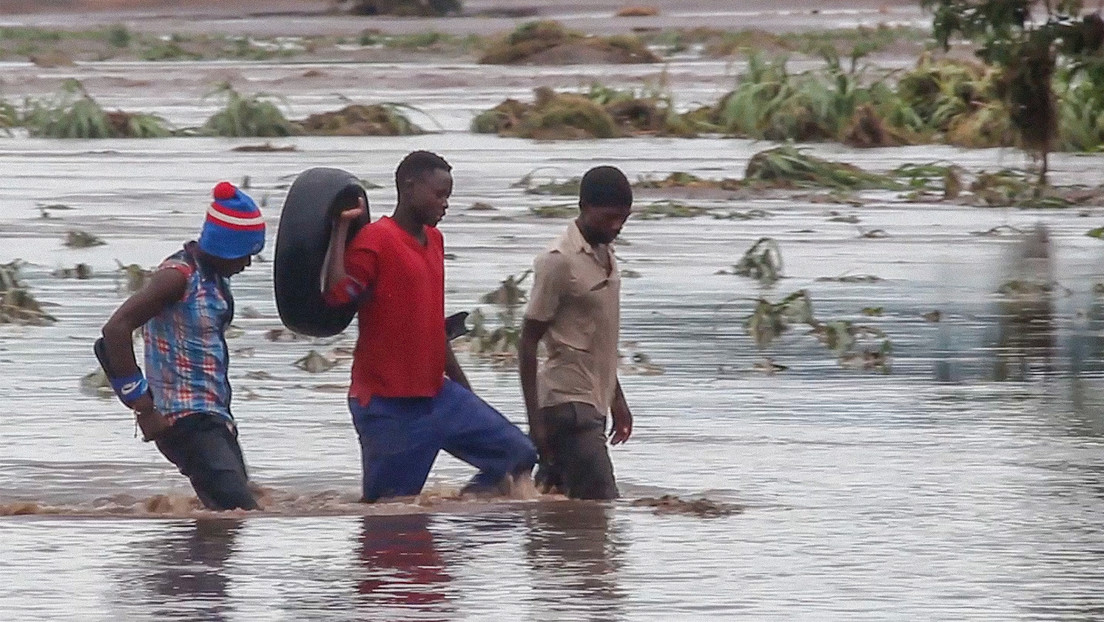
(865, 496)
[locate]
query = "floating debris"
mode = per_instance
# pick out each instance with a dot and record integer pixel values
(640, 364)
(637, 11)
(998, 230)
(315, 363)
(932, 316)
(851, 278)
(479, 206)
(552, 186)
(96, 384)
(703, 508)
(752, 214)
(559, 210)
(282, 335)
(265, 148)
(680, 179)
(873, 234)
(768, 366)
(76, 238)
(81, 271)
(668, 209)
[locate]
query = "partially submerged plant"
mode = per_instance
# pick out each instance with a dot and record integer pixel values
(558, 210)
(846, 339)
(543, 42)
(73, 113)
(17, 305)
(763, 261)
(498, 341)
(668, 209)
(789, 166)
(247, 115)
(600, 112)
(386, 119)
(82, 239)
(680, 179)
(770, 319)
(134, 277)
(548, 186)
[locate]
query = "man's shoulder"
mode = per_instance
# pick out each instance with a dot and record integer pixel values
(552, 261)
(374, 234)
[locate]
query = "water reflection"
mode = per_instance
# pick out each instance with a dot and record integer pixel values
(576, 553)
(187, 570)
(402, 566)
(1026, 329)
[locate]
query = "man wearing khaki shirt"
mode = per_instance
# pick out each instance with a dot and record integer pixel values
(574, 307)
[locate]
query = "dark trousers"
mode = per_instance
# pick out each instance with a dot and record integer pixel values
(400, 437)
(580, 466)
(205, 449)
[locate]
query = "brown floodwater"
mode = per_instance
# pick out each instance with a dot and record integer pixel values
(931, 492)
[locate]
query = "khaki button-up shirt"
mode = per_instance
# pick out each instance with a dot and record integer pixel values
(580, 299)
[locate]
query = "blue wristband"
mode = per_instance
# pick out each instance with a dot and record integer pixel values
(131, 388)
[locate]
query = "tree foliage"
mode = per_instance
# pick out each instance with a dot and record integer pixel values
(1024, 39)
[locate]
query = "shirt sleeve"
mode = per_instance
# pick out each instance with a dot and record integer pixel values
(550, 281)
(179, 266)
(361, 270)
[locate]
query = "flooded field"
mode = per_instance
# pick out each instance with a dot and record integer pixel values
(929, 492)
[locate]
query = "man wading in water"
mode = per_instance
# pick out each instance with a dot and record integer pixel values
(184, 311)
(574, 306)
(404, 408)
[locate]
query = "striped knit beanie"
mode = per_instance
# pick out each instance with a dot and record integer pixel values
(234, 227)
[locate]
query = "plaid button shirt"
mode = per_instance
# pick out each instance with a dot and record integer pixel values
(186, 353)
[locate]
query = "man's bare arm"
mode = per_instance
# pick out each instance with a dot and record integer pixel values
(532, 331)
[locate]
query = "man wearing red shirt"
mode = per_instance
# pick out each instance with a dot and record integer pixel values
(404, 408)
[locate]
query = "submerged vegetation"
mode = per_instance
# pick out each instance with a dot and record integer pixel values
(404, 8)
(856, 346)
(17, 305)
(549, 43)
(496, 339)
(362, 120)
(247, 115)
(601, 112)
(73, 113)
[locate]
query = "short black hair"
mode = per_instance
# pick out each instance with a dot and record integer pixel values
(605, 186)
(418, 162)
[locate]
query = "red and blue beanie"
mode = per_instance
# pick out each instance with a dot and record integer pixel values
(234, 227)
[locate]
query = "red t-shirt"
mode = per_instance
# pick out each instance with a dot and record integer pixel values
(400, 351)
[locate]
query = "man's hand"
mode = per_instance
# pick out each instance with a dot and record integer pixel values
(152, 423)
(538, 433)
(622, 426)
(346, 217)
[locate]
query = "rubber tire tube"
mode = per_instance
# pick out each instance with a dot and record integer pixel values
(302, 240)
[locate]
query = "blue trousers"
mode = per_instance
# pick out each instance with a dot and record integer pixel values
(400, 438)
